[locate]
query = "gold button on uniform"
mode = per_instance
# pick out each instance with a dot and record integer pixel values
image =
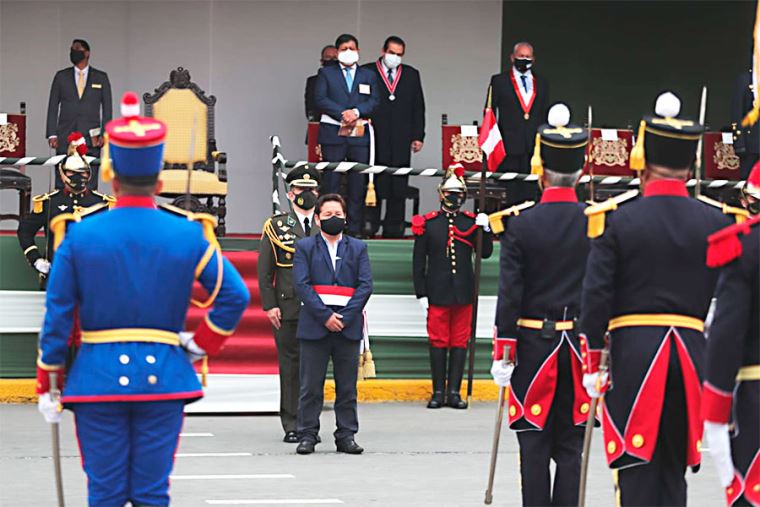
(699, 446)
(584, 408)
(535, 409)
(152, 379)
(611, 447)
(756, 488)
(638, 440)
(512, 410)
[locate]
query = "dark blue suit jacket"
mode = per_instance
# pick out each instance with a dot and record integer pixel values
(331, 97)
(312, 266)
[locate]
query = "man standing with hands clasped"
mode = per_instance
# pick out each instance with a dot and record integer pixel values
(332, 277)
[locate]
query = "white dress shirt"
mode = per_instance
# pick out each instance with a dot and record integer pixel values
(332, 248)
(386, 69)
(352, 71)
(302, 218)
(528, 82)
(77, 71)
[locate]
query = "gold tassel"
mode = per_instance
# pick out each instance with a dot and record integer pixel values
(106, 170)
(370, 200)
(596, 225)
(368, 366)
(637, 153)
(360, 372)
(204, 371)
(536, 164)
(752, 115)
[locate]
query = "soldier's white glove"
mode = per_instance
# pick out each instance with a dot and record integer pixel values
(719, 442)
(481, 220)
(595, 386)
(42, 265)
(49, 408)
(193, 351)
(502, 373)
(423, 301)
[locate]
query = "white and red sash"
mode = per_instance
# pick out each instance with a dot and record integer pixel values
(391, 87)
(334, 295)
(525, 107)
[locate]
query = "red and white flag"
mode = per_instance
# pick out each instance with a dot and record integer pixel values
(490, 141)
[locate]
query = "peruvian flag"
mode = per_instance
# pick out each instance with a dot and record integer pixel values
(490, 140)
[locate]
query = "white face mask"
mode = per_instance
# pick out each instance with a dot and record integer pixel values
(391, 61)
(348, 57)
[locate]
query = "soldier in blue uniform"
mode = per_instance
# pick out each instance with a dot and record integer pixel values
(646, 293)
(731, 395)
(133, 374)
(543, 260)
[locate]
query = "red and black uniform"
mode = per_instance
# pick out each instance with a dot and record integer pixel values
(543, 260)
(732, 375)
(647, 283)
(442, 267)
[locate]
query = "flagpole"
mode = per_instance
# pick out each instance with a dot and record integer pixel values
(478, 259)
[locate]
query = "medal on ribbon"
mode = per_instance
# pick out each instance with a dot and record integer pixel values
(391, 87)
(525, 107)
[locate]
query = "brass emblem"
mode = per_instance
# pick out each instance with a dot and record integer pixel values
(725, 157)
(288, 255)
(609, 153)
(137, 128)
(9, 140)
(465, 149)
(563, 131)
(673, 122)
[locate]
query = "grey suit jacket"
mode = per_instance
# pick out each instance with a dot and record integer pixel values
(67, 112)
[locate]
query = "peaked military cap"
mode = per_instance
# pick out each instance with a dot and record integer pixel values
(303, 176)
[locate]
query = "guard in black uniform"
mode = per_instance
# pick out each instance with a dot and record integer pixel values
(75, 173)
(731, 395)
(646, 293)
(444, 282)
(543, 260)
(278, 296)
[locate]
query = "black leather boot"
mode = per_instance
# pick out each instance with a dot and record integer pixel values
(438, 372)
(456, 370)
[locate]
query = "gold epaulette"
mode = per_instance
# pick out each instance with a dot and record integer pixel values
(108, 199)
(495, 219)
(58, 227)
(278, 230)
(89, 210)
(597, 213)
(207, 221)
(39, 201)
(741, 215)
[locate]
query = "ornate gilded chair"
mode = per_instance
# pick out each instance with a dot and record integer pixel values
(189, 116)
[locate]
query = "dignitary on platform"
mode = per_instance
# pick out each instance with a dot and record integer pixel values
(75, 197)
(399, 122)
(520, 99)
(731, 395)
(746, 139)
(444, 283)
(278, 295)
(333, 279)
(346, 96)
(80, 100)
(646, 294)
(543, 260)
(130, 273)
(329, 56)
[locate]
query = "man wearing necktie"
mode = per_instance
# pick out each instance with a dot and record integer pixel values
(399, 122)
(333, 279)
(520, 99)
(80, 100)
(346, 95)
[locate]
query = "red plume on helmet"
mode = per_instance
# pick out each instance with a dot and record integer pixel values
(76, 140)
(458, 170)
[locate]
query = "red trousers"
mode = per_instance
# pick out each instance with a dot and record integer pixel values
(449, 325)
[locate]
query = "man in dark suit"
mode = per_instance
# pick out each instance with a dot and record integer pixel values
(746, 139)
(333, 279)
(329, 57)
(399, 123)
(346, 95)
(77, 97)
(278, 298)
(520, 99)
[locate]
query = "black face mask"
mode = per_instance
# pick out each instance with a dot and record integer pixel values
(333, 225)
(306, 200)
(76, 56)
(453, 201)
(754, 207)
(78, 182)
(523, 64)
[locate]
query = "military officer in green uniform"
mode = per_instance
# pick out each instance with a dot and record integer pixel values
(278, 297)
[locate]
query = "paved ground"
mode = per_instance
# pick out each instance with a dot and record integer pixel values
(414, 457)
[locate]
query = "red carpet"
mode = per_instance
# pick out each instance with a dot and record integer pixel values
(251, 349)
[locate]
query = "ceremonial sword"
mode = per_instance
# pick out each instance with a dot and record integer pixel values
(55, 395)
(699, 164)
(589, 430)
(497, 430)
